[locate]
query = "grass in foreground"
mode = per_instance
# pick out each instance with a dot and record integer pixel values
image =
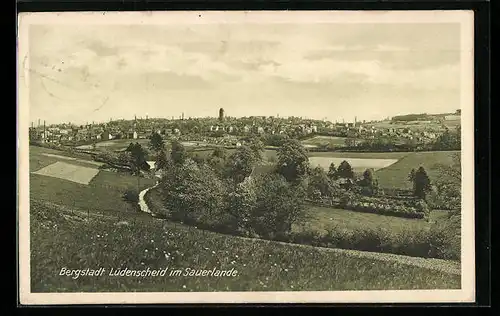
(65, 238)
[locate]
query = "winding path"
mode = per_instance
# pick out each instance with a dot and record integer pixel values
(142, 203)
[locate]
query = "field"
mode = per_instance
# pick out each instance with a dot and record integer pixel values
(70, 172)
(267, 154)
(392, 168)
(324, 140)
(115, 144)
(122, 144)
(357, 164)
(104, 191)
(139, 242)
(452, 124)
(321, 218)
(367, 155)
(396, 175)
(359, 161)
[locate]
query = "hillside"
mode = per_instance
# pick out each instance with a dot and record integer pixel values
(137, 241)
(396, 175)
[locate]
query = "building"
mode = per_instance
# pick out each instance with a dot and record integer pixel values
(221, 114)
(132, 135)
(106, 135)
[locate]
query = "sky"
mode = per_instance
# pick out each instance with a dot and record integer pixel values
(87, 73)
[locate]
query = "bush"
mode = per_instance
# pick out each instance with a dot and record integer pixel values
(444, 238)
(278, 205)
(194, 194)
(380, 205)
(415, 243)
(131, 195)
(421, 207)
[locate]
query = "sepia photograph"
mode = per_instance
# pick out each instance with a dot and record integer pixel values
(246, 157)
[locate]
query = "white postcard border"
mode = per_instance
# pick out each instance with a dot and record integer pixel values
(465, 18)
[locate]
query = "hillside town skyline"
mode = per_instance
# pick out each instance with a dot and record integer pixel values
(181, 115)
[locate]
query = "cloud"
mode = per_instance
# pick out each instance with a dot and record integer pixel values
(100, 49)
(160, 80)
(330, 69)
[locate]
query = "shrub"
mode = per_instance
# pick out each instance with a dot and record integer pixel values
(194, 194)
(279, 205)
(444, 238)
(131, 195)
(421, 207)
(241, 200)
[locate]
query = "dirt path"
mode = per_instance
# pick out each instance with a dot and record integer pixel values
(142, 203)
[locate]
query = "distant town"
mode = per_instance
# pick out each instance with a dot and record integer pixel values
(228, 131)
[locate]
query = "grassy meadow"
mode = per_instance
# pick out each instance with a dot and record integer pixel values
(103, 240)
(396, 175)
(323, 218)
(325, 140)
(115, 144)
(104, 191)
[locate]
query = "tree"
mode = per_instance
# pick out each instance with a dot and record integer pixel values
(217, 160)
(156, 142)
(219, 152)
(178, 153)
(449, 184)
(345, 170)
(350, 142)
(448, 140)
(257, 147)
(319, 182)
(275, 139)
(242, 200)
(199, 159)
(369, 183)
(422, 183)
(162, 161)
(241, 163)
(332, 172)
(138, 160)
(411, 178)
(293, 161)
(279, 205)
(194, 194)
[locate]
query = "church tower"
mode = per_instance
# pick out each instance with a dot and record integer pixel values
(221, 114)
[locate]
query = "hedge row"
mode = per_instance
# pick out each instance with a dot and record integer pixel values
(383, 206)
(390, 210)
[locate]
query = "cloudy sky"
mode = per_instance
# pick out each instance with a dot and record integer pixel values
(333, 71)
